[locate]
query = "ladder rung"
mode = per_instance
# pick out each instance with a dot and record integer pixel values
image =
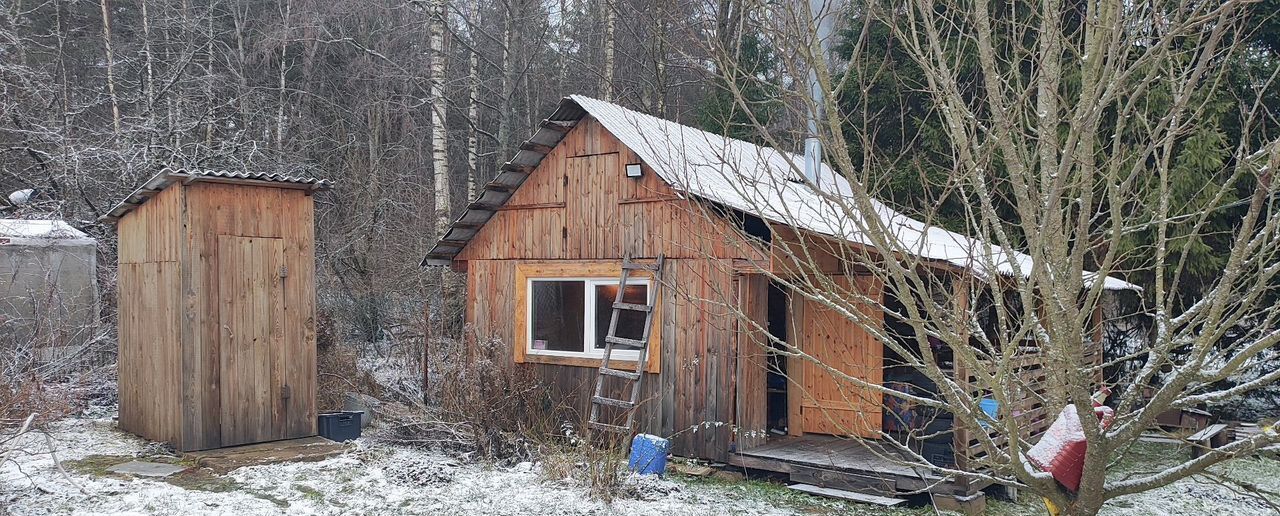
(633, 306)
(612, 402)
(624, 341)
(611, 428)
(620, 374)
(639, 266)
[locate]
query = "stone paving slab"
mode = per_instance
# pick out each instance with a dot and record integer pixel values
(146, 469)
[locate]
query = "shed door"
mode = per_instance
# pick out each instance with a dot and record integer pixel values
(831, 404)
(251, 316)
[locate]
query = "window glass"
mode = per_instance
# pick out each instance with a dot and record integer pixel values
(630, 322)
(557, 315)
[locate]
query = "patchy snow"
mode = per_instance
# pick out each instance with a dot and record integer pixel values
(373, 478)
(1254, 478)
(369, 479)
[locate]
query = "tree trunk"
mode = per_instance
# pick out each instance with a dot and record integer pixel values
(111, 79)
(284, 48)
(149, 87)
(606, 72)
(505, 116)
(473, 103)
(439, 135)
(208, 80)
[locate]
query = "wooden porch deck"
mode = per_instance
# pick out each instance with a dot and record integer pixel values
(843, 463)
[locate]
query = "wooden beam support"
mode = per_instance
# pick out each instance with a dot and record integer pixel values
(536, 147)
(499, 187)
(517, 169)
(563, 126)
(483, 206)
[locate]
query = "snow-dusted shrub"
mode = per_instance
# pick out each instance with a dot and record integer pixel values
(596, 464)
(339, 373)
(478, 402)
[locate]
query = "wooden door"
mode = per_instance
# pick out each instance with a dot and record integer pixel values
(251, 316)
(829, 403)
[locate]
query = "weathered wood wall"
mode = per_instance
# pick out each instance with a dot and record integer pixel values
(218, 350)
(287, 384)
(753, 346)
(150, 354)
(578, 206)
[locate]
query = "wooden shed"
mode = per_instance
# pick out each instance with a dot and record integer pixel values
(216, 298)
(543, 243)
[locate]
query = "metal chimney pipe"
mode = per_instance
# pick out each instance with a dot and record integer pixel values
(821, 12)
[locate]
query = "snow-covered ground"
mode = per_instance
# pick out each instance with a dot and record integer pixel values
(369, 479)
(374, 478)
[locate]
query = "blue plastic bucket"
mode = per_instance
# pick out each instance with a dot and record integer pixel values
(649, 454)
(991, 407)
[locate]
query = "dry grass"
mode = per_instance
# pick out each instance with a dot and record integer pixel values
(338, 374)
(597, 463)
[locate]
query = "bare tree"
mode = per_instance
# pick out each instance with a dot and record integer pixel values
(1062, 125)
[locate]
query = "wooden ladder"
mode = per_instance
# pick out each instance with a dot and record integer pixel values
(635, 379)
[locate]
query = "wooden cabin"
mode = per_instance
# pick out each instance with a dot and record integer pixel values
(216, 298)
(542, 247)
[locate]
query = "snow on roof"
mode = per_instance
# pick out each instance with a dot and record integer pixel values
(767, 182)
(41, 232)
(763, 181)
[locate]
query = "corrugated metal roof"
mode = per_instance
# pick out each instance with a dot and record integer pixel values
(763, 181)
(169, 176)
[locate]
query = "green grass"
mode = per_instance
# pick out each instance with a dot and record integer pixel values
(95, 465)
(778, 494)
(310, 492)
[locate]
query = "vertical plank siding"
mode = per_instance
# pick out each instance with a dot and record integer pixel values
(578, 206)
(178, 382)
(149, 361)
(831, 404)
(752, 350)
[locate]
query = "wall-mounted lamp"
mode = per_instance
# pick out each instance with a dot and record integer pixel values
(633, 170)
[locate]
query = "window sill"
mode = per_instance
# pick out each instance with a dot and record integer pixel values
(617, 363)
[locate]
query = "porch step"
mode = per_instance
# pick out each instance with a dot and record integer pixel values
(847, 495)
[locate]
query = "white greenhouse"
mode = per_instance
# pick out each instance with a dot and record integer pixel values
(48, 289)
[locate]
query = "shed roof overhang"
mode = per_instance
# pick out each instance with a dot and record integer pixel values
(170, 176)
(511, 175)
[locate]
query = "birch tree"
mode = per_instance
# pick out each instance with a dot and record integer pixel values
(110, 56)
(438, 17)
(606, 72)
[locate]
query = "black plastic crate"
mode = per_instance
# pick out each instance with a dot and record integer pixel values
(939, 454)
(340, 426)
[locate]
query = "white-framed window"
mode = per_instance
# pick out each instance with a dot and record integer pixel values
(570, 316)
